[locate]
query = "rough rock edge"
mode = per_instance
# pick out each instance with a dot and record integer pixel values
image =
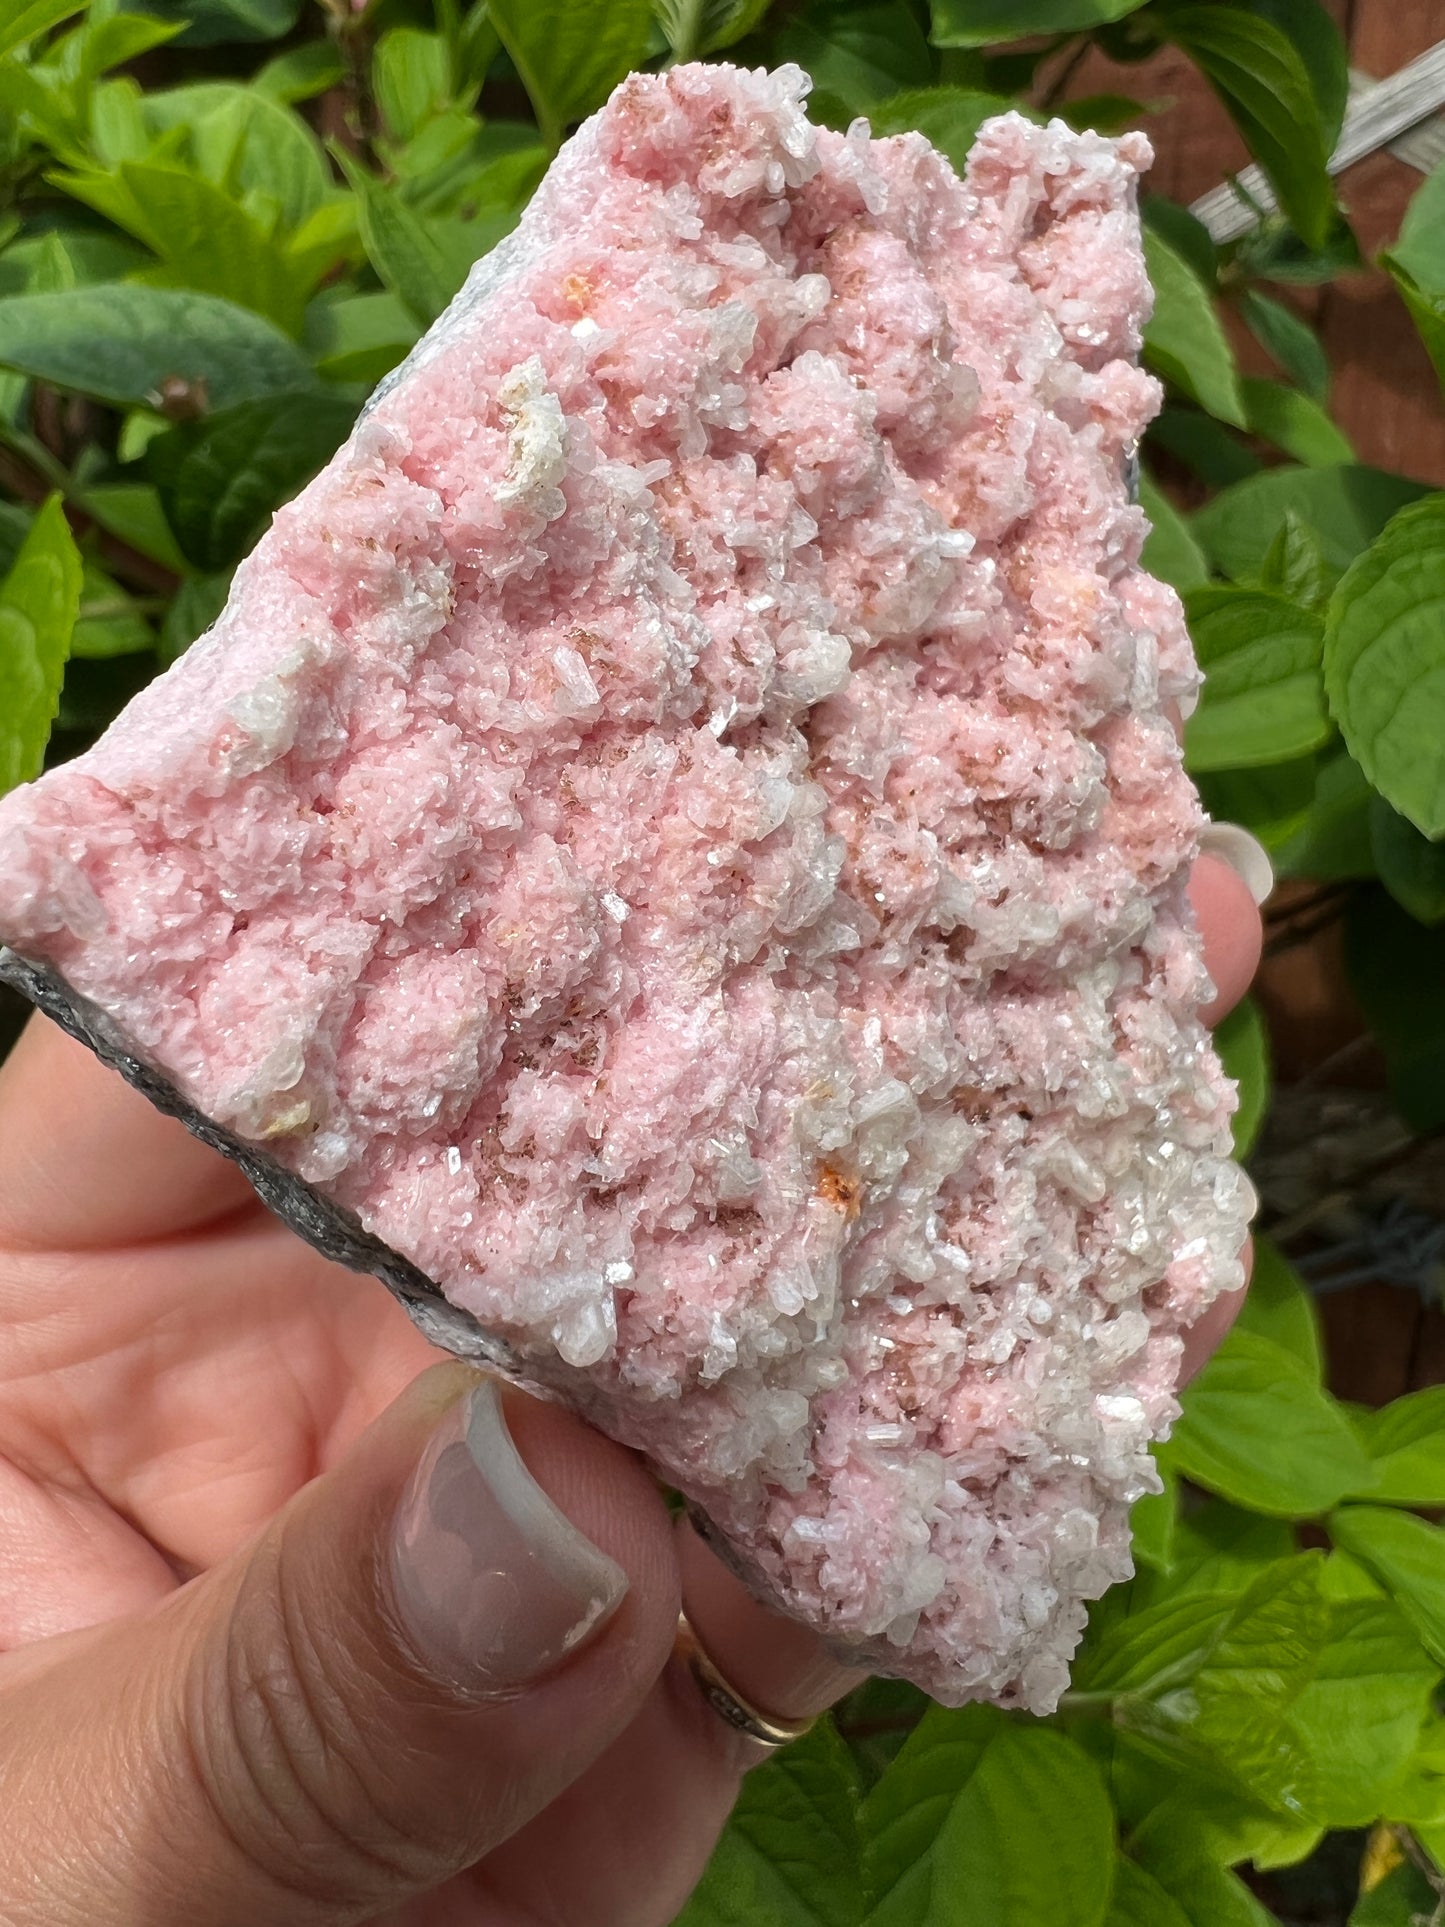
(325, 1226)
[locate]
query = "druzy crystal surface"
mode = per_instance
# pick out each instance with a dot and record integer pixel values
(678, 835)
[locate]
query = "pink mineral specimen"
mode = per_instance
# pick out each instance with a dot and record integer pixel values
(677, 833)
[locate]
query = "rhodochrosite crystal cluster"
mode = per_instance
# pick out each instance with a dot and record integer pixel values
(676, 842)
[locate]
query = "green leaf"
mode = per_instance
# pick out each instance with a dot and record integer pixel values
(1257, 1430)
(1273, 801)
(108, 623)
(1185, 233)
(1385, 663)
(117, 127)
(411, 77)
(1274, 252)
(246, 143)
(1406, 1443)
(327, 237)
(982, 1819)
(1153, 1521)
(39, 101)
(1150, 1652)
(1263, 697)
(1207, 1894)
(475, 46)
(1247, 1691)
(1334, 845)
(1217, 456)
(1102, 113)
(1420, 250)
(905, 1816)
(1427, 311)
(22, 20)
(358, 337)
(1218, 1548)
(132, 511)
(453, 164)
(790, 1854)
(1407, 1556)
(205, 239)
(1396, 967)
(982, 23)
(1209, 1681)
(1199, 1802)
(1295, 566)
(220, 478)
(301, 73)
(861, 52)
(422, 258)
(1291, 342)
(1139, 1901)
(120, 344)
(1279, 1308)
(210, 23)
(1170, 551)
(1358, 1720)
(33, 266)
(875, 1719)
(948, 116)
(1404, 1898)
(697, 27)
(94, 692)
(1342, 1577)
(1320, 45)
(1345, 507)
(1411, 867)
(570, 54)
(113, 40)
(1184, 339)
(1293, 423)
(1244, 1052)
(1266, 85)
(195, 606)
(39, 600)
(14, 527)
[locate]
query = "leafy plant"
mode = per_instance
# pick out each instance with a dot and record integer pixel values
(222, 222)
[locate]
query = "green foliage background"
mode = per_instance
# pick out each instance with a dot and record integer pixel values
(221, 222)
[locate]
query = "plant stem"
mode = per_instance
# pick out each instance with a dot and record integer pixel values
(39, 458)
(871, 1729)
(1087, 1704)
(1066, 73)
(29, 469)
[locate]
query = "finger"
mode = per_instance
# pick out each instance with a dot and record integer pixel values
(1233, 935)
(1207, 1334)
(85, 1160)
(1203, 1338)
(430, 1643)
(659, 1798)
(776, 1664)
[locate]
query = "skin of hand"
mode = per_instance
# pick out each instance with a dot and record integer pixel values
(277, 1643)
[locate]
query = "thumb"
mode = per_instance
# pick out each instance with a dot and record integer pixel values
(420, 1652)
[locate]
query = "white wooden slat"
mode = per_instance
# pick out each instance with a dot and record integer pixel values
(1395, 113)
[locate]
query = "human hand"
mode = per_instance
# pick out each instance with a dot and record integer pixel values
(223, 1699)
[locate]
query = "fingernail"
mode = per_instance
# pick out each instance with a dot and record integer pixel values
(1244, 854)
(492, 1582)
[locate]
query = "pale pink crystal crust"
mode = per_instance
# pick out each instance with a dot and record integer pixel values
(677, 830)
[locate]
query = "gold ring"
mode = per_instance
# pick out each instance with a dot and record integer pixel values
(726, 1701)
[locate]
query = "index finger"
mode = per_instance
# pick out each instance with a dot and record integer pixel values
(87, 1161)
